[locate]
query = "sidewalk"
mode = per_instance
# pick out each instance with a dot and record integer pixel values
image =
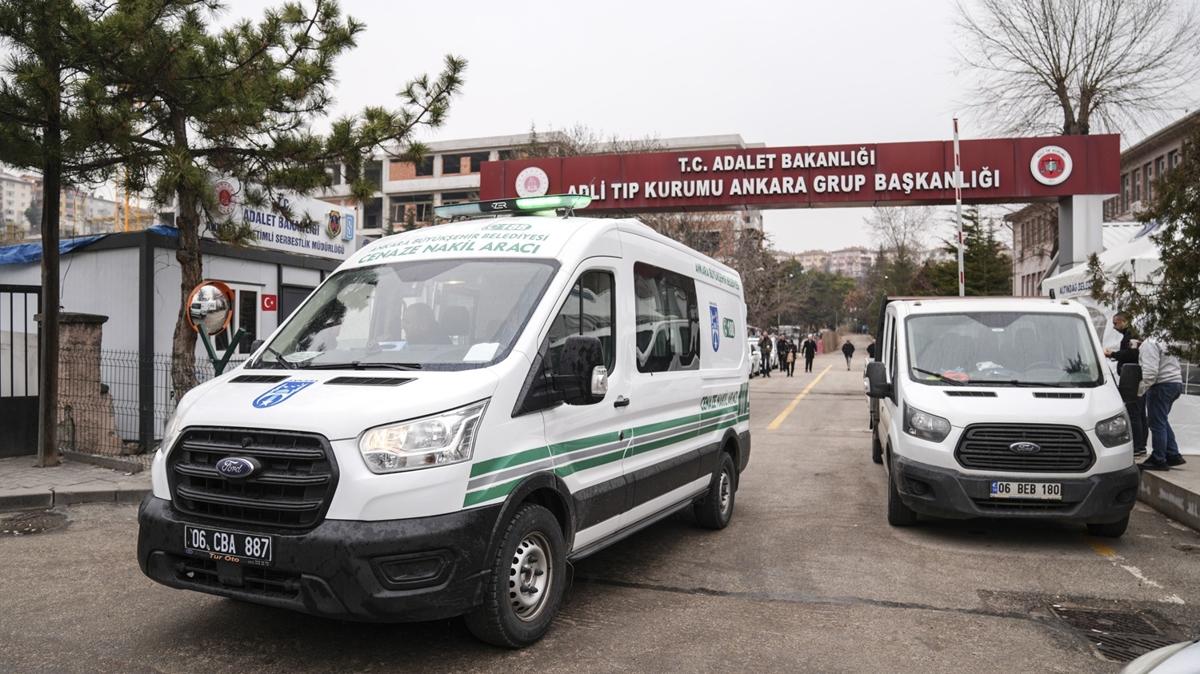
(23, 486)
(1174, 493)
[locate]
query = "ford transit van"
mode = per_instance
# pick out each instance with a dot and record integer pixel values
(452, 417)
(1000, 407)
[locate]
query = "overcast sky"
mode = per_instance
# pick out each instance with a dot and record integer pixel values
(782, 73)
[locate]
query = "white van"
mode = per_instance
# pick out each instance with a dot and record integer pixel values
(454, 415)
(1000, 407)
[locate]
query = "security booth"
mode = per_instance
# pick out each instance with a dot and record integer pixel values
(120, 301)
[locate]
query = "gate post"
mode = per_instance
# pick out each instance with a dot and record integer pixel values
(1080, 229)
(146, 344)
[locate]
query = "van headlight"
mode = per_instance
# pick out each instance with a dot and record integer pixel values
(1113, 431)
(925, 425)
(171, 432)
(437, 440)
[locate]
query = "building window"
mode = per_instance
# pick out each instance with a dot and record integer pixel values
(458, 197)
(1137, 187)
(1124, 192)
(451, 163)
(1148, 181)
(373, 172)
(334, 171)
(425, 167)
(477, 159)
(668, 320)
(1160, 167)
(1172, 159)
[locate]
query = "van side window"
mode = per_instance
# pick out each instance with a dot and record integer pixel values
(589, 310)
(668, 320)
(891, 349)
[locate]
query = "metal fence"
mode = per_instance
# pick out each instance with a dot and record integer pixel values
(100, 399)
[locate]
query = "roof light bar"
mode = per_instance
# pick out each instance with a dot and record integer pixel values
(550, 202)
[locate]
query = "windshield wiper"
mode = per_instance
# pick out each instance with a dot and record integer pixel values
(1023, 384)
(943, 377)
(287, 364)
(359, 365)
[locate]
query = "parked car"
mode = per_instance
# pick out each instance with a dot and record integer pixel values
(1000, 407)
(755, 357)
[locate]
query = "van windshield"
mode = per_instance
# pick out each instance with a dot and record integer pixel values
(1002, 349)
(434, 314)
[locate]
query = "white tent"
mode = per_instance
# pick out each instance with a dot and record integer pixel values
(1137, 255)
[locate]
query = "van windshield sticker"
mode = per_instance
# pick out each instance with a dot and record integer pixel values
(482, 352)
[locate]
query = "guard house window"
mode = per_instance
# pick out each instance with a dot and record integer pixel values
(451, 163)
(588, 311)
(425, 166)
(668, 320)
(477, 159)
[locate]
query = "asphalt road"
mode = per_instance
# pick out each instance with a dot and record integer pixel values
(808, 577)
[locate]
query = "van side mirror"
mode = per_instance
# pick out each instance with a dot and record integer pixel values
(580, 376)
(1127, 384)
(875, 382)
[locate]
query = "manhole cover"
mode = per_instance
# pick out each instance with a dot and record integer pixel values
(31, 522)
(1120, 636)
(1127, 647)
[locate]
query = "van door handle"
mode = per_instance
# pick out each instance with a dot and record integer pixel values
(621, 401)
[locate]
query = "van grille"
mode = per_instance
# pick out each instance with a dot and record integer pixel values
(1063, 449)
(291, 491)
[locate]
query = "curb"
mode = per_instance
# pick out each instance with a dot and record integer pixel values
(1170, 499)
(64, 497)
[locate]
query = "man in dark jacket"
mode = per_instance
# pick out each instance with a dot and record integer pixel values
(787, 355)
(871, 351)
(809, 347)
(764, 345)
(1128, 353)
(848, 352)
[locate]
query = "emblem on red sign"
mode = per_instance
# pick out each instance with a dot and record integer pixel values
(1051, 165)
(270, 302)
(532, 182)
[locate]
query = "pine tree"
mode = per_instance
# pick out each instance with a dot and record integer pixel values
(241, 102)
(987, 267)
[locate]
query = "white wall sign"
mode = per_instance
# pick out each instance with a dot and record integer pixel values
(330, 234)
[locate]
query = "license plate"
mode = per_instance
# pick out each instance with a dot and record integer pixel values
(228, 546)
(1041, 491)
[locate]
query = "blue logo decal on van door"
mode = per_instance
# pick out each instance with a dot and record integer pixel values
(714, 321)
(282, 392)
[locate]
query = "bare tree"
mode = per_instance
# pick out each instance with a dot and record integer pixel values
(901, 230)
(1092, 64)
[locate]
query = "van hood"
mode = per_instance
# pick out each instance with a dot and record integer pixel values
(966, 405)
(338, 404)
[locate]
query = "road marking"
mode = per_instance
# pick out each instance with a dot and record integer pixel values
(796, 401)
(1112, 556)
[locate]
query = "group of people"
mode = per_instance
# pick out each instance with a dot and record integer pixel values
(1160, 387)
(788, 351)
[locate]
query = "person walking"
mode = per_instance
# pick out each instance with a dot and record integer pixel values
(1127, 353)
(871, 350)
(764, 345)
(1161, 384)
(787, 355)
(848, 352)
(809, 347)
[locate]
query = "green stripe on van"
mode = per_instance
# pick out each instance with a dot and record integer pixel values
(509, 460)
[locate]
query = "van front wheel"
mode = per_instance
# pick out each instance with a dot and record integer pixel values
(524, 590)
(716, 508)
(898, 514)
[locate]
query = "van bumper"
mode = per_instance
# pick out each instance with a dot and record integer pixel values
(417, 569)
(943, 492)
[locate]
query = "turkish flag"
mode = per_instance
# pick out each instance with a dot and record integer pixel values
(270, 302)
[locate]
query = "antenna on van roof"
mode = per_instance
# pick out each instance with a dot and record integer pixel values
(543, 205)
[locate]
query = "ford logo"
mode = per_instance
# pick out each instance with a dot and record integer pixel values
(1024, 448)
(236, 467)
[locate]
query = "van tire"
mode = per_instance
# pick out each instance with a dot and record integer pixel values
(876, 448)
(898, 514)
(716, 508)
(535, 536)
(1109, 529)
